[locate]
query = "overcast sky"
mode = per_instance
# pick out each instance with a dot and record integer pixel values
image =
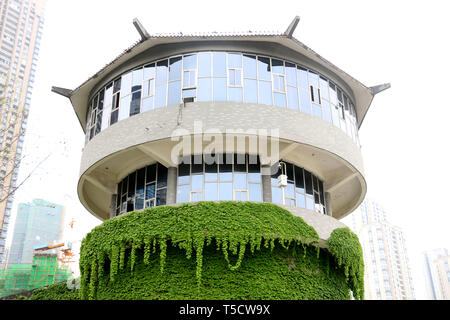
(404, 136)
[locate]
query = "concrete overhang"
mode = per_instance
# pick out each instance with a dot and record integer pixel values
(361, 95)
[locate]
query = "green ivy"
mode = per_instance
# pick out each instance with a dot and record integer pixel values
(345, 247)
(128, 245)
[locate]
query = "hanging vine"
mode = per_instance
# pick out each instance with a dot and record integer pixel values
(233, 225)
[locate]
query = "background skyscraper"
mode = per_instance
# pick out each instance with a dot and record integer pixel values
(437, 273)
(21, 23)
(37, 224)
(387, 272)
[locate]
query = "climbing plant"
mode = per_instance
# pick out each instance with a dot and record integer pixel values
(128, 243)
(345, 247)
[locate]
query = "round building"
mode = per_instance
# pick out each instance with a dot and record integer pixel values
(248, 117)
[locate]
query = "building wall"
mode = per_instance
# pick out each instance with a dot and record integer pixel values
(437, 274)
(20, 35)
(38, 223)
(387, 272)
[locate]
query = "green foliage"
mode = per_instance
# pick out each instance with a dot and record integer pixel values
(58, 291)
(345, 247)
(119, 258)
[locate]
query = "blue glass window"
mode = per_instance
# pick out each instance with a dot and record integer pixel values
(220, 89)
(137, 79)
(234, 76)
(126, 84)
(279, 99)
(277, 66)
(302, 79)
(147, 104)
(190, 62)
(235, 94)
(183, 193)
(291, 75)
(305, 102)
(161, 71)
(250, 91)
(160, 95)
(197, 182)
(124, 110)
(149, 71)
(292, 98)
(317, 110)
(135, 107)
(175, 68)
(250, 67)
(219, 64)
(264, 72)
(211, 191)
(326, 111)
(240, 181)
(226, 191)
(204, 64)
(254, 192)
(174, 96)
(265, 92)
(234, 60)
(204, 89)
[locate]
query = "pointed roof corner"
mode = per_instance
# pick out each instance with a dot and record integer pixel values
(377, 89)
(62, 91)
(140, 28)
(290, 30)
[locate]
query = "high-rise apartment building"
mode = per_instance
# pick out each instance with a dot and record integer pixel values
(387, 272)
(437, 271)
(21, 23)
(37, 224)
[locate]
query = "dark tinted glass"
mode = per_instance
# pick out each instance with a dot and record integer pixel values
(151, 173)
(131, 184)
(162, 176)
(161, 197)
(140, 181)
(308, 182)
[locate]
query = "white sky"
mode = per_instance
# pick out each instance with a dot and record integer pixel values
(404, 136)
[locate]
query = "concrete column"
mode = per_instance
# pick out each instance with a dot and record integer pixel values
(328, 204)
(266, 184)
(113, 206)
(171, 185)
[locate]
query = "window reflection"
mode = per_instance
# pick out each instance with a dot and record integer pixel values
(234, 179)
(221, 76)
(143, 188)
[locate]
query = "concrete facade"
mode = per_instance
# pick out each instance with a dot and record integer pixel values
(301, 139)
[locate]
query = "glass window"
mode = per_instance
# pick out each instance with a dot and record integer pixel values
(305, 102)
(160, 95)
(162, 176)
(204, 64)
(264, 72)
(254, 192)
(151, 173)
(279, 99)
(302, 79)
(219, 64)
(240, 181)
(174, 96)
(149, 72)
(147, 104)
(278, 82)
(211, 172)
(226, 191)
(324, 88)
(300, 199)
(125, 104)
(291, 76)
(292, 98)
(161, 197)
(249, 67)
(189, 78)
(326, 111)
(190, 62)
(175, 68)
(161, 71)
(265, 92)
(235, 94)
(277, 66)
(250, 91)
(126, 84)
(220, 89)
(308, 182)
(140, 181)
(197, 182)
(135, 107)
(204, 89)
(277, 195)
(316, 110)
(211, 193)
(234, 77)
(234, 60)
(183, 193)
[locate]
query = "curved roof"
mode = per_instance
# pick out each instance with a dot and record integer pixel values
(363, 95)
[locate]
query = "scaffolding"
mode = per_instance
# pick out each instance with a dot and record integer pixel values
(42, 272)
